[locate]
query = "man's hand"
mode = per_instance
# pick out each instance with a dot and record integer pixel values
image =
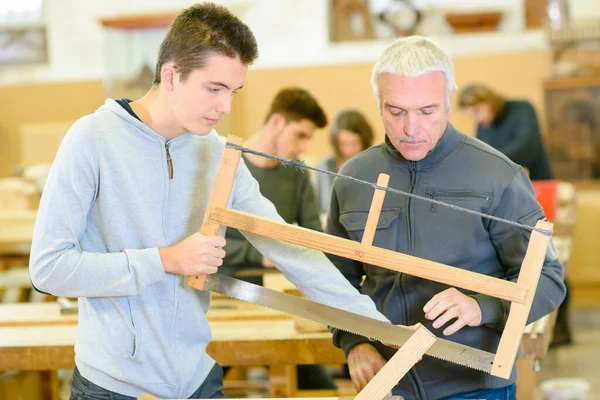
(364, 361)
(267, 263)
(451, 304)
(194, 255)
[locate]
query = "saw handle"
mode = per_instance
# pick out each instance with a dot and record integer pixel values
(219, 196)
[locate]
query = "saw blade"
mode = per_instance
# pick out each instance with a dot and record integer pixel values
(345, 320)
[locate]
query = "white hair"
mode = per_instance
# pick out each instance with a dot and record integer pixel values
(414, 56)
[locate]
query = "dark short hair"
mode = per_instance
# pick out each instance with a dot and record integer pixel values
(296, 104)
(477, 93)
(354, 121)
(200, 31)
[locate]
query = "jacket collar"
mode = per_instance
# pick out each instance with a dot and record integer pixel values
(450, 140)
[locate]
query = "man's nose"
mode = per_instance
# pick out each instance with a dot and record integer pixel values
(411, 125)
(224, 104)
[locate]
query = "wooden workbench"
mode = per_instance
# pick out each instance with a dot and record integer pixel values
(50, 347)
(36, 337)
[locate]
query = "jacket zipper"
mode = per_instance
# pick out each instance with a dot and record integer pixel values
(413, 180)
(412, 375)
(169, 162)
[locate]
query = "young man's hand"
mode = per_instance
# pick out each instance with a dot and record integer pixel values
(364, 361)
(194, 255)
(267, 263)
(451, 304)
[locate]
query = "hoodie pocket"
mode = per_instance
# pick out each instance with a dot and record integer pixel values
(134, 341)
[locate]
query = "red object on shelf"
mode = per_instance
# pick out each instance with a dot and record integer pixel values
(546, 193)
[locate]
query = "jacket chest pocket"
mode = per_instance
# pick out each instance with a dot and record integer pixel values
(476, 201)
(388, 235)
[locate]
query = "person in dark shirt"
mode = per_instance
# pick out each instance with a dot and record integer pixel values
(509, 126)
(292, 119)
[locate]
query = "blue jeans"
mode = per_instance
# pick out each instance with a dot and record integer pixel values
(82, 389)
(505, 393)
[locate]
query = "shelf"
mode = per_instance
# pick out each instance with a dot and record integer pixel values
(572, 82)
(139, 21)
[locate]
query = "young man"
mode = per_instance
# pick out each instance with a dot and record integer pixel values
(291, 121)
(425, 155)
(119, 218)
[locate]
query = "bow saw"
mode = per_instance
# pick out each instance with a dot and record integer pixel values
(414, 342)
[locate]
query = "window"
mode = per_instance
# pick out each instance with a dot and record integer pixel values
(20, 11)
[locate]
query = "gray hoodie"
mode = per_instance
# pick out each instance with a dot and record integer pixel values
(107, 206)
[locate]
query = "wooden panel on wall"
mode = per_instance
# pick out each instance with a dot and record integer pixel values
(41, 103)
(584, 268)
(39, 141)
(336, 87)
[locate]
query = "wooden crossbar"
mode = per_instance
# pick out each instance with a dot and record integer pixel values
(520, 294)
(408, 355)
(375, 211)
(531, 268)
(389, 259)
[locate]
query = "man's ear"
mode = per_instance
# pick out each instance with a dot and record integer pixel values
(276, 122)
(168, 75)
(450, 102)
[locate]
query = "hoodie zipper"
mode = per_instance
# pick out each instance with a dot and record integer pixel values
(169, 162)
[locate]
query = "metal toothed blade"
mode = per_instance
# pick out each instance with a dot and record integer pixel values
(345, 320)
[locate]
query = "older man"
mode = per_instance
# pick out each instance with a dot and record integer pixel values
(425, 155)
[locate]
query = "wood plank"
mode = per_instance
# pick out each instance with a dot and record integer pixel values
(48, 313)
(375, 210)
(275, 342)
(34, 314)
(372, 255)
(408, 355)
(219, 196)
(16, 227)
(236, 310)
(529, 276)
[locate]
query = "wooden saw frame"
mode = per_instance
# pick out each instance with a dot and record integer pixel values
(520, 294)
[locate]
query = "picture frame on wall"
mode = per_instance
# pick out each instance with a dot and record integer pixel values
(23, 45)
(573, 123)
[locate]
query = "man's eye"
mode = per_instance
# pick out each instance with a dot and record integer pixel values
(215, 90)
